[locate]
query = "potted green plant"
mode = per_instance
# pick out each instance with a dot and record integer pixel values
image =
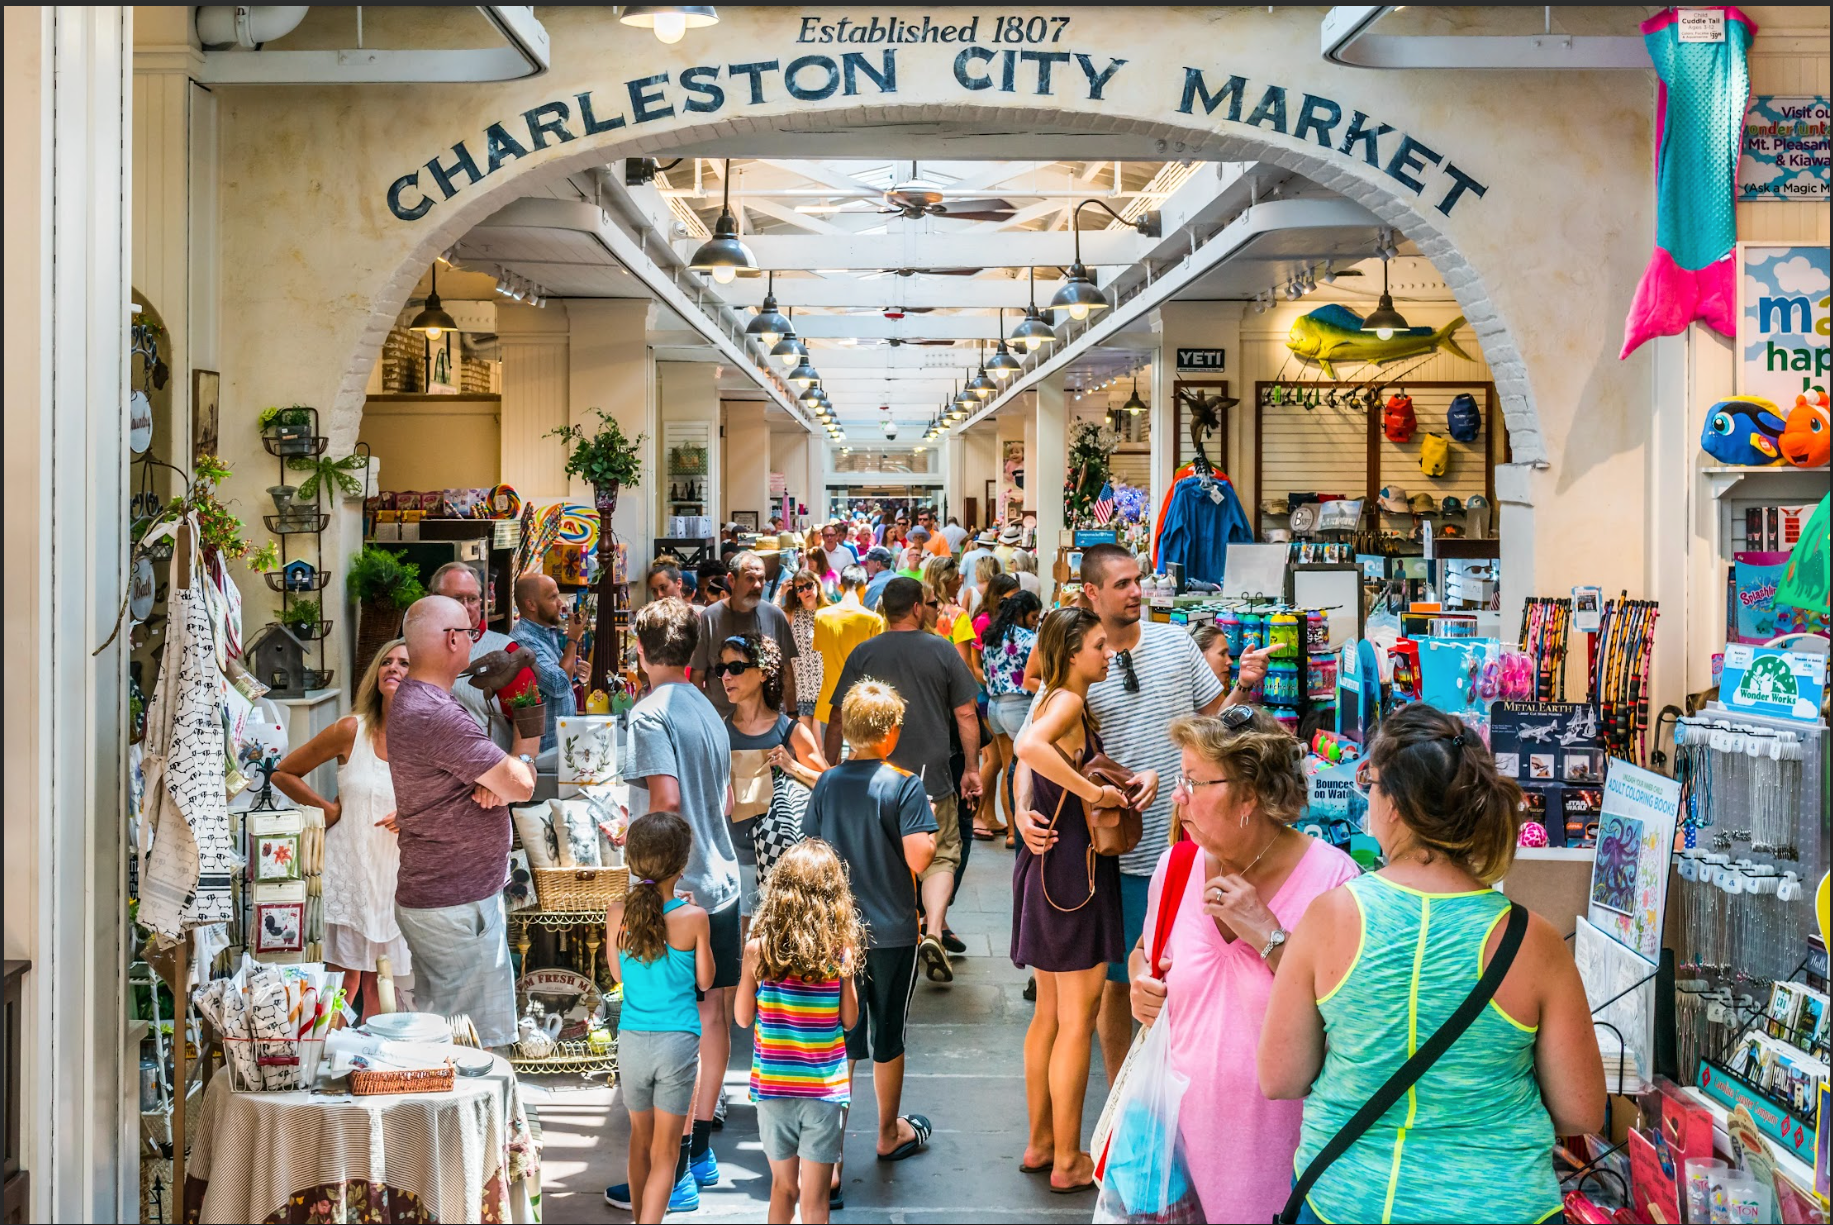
(382, 586)
(304, 618)
(607, 460)
(289, 429)
(530, 713)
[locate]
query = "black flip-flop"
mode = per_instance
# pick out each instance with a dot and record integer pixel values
(1042, 1167)
(836, 1199)
(914, 1145)
(1075, 1190)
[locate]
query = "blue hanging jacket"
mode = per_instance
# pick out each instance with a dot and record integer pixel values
(1198, 529)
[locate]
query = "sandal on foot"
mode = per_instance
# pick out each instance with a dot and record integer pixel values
(911, 1147)
(1075, 1190)
(1042, 1167)
(935, 961)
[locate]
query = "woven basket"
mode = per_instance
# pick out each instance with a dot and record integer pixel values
(579, 889)
(418, 1080)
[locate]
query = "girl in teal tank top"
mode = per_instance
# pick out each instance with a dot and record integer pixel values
(659, 994)
(1379, 964)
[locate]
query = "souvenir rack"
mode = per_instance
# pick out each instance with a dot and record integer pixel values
(293, 522)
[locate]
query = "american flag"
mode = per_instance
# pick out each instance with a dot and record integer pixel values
(1104, 505)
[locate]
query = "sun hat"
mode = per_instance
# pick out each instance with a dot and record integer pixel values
(1011, 535)
(987, 536)
(1394, 498)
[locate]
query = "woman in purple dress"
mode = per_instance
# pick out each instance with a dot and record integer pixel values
(1066, 923)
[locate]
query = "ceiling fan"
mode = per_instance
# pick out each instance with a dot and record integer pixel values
(867, 342)
(916, 198)
(922, 272)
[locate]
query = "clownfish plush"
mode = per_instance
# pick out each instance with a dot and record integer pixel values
(1804, 440)
(1743, 432)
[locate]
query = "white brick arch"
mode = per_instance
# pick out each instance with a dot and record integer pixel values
(960, 129)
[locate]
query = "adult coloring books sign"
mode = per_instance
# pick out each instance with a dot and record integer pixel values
(1629, 877)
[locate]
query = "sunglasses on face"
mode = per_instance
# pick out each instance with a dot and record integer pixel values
(733, 669)
(805, 586)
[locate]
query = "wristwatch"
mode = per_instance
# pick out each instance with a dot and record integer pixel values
(530, 763)
(1276, 938)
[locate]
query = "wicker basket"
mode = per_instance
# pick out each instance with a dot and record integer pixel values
(417, 1080)
(579, 889)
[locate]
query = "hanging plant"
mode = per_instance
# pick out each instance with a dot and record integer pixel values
(218, 530)
(378, 576)
(605, 458)
(345, 473)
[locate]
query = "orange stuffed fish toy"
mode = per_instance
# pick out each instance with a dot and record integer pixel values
(1804, 441)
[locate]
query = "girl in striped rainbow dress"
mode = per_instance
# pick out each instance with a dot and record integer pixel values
(797, 985)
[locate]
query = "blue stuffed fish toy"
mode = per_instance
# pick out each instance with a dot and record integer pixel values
(1744, 432)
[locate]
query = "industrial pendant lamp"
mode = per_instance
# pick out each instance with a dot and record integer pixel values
(1033, 331)
(804, 375)
(982, 386)
(789, 350)
(1003, 365)
(1134, 404)
(723, 255)
(810, 397)
(1384, 320)
(1079, 296)
(670, 23)
(433, 322)
(767, 325)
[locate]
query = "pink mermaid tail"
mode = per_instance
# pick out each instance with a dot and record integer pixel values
(1669, 297)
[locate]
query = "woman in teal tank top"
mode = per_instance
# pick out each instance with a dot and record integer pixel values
(1377, 965)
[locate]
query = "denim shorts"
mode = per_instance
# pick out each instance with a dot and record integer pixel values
(656, 1070)
(803, 1127)
(1006, 713)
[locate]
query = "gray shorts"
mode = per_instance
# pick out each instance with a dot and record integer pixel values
(1006, 713)
(461, 965)
(802, 1127)
(747, 888)
(656, 1071)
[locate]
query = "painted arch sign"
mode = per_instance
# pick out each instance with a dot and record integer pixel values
(887, 59)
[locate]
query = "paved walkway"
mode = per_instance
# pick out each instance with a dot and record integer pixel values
(965, 1072)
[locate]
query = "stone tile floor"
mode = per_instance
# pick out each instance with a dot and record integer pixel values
(965, 1072)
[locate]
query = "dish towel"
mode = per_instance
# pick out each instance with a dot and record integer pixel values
(184, 879)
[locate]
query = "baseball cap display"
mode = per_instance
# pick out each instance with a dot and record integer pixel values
(1464, 419)
(1434, 454)
(1397, 419)
(1423, 504)
(1451, 506)
(1394, 498)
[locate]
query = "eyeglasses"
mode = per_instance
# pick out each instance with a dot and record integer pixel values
(1190, 785)
(732, 669)
(469, 631)
(1365, 779)
(1131, 681)
(469, 601)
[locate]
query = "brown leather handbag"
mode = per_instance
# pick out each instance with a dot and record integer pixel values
(1111, 831)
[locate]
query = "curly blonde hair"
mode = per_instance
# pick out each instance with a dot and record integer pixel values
(807, 926)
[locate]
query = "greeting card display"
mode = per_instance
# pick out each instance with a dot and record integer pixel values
(587, 748)
(1629, 878)
(276, 857)
(279, 927)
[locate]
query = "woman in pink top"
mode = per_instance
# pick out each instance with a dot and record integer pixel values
(1239, 788)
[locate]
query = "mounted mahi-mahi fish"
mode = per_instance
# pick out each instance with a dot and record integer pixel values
(1332, 335)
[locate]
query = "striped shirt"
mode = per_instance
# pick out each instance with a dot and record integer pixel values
(799, 1048)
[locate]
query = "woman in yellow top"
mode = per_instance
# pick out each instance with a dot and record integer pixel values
(942, 584)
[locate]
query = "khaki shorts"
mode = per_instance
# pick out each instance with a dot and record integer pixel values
(948, 838)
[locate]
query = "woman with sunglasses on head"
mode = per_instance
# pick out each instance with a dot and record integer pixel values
(1378, 966)
(802, 597)
(1066, 919)
(1238, 790)
(775, 759)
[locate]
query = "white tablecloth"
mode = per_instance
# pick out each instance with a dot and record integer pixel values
(317, 1157)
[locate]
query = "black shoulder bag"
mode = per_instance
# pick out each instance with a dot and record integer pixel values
(1415, 1067)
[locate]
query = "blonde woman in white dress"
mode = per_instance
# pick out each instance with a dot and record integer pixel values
(362, 854)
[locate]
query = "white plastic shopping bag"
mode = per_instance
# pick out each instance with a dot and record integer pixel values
(1145, 1176)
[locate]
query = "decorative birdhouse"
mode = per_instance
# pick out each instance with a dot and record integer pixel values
(300, 576)
(278, 660)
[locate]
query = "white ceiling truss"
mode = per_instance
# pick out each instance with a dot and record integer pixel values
(897, 299)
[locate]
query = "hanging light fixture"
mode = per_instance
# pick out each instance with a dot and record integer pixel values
(1384, 320)
(804, 375)
(433, 322)
(1002, 365)
(767, 325)
(789, 350)
(982, 386)
(810, 397)
(670, 23)
(723, 255)
(1033, 331)
(1079, 295)
(1134, 404)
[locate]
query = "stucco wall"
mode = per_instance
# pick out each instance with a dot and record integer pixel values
(1543, 262)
